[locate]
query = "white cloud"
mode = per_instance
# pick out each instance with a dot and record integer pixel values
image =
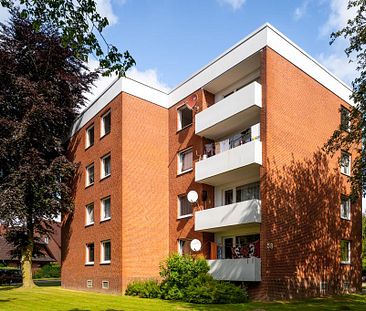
(338, 17)
(235, 4)
(4, 14)
(301, 10)
(105, 9)
(149, 77)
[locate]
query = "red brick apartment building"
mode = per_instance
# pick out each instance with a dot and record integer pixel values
(245, 132)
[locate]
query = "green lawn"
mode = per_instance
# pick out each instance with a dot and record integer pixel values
(56, 298)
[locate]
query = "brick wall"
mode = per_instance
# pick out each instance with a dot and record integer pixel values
(301, 188)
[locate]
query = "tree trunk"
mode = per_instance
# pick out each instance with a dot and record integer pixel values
(26, 263)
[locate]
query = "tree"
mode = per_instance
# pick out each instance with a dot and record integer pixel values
(42, 83)
(355, 33)
(79, 25)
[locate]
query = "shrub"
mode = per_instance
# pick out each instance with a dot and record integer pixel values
(225, 292)
(144, 289)
(52, 270)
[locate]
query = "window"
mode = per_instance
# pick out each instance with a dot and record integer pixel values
(345, 252)
(46, 240)
(106, 166)
(90, 214)
(89, 283)
(89, 175)
(345, 163)
(89, 136)
(183, 247)
(228, 197)
(345, 208)
(106, 252)
(248, 192)
(185, 161)
(105, 284)
(105, 124)
(345, 119)
(106, 208)
(184, 117)
(90, 254)
(184, 207)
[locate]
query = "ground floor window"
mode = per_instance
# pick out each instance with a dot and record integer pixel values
(89, 253)
(184, 247)
(345, 251)
(106, 252)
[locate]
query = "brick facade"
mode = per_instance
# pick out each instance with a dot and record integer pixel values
(301, 187)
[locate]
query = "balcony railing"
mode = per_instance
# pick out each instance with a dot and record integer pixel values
(243, 269)
(237, 111)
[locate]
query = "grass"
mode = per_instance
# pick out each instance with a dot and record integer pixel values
(56, 298)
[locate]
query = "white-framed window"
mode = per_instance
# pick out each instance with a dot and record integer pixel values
(185, 161)
(184, 207)
(183, 247)
(89, 209)
(345, 207)
(105, 253)
(105, 126)
(105, 166)
(89, 283)
(105, 284)
(345, 163)
(89, 256)
(345, 119)
(345, 252)
(89, 137)
(105, 205)
(185, 117)
(89, 175)
(46, 240)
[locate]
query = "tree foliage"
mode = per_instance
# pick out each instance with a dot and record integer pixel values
(80, 27)
(355, 33)
(42, 84)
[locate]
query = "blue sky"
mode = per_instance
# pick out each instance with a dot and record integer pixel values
(172, 39)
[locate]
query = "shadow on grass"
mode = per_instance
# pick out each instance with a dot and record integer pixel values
(9, 287)
(47, 283)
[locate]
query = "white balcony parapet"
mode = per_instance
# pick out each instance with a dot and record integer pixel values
(229, 165)
(219, 218)
(243, 269)
(233, 113)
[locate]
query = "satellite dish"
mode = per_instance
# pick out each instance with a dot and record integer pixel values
(192, 196)
(196, 245)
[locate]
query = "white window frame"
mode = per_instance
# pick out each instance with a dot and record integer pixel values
(102, 208)
(102, 260)
(87, 184)
(349, 253)
(180, 161)
(102, 166)
(348, 200)
(179, 117)
(88, 221)
(87, 254)
(87, 136)
(46, 240)
(349, 118)
(180, 216)
(346, 171)
(102, 124)
(105, 284)
(89, 283)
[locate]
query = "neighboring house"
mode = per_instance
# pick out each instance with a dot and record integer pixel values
(50, 251)
(245, 133)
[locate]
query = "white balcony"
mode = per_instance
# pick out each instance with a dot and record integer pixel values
(236, 112)
(227, 216)
(241, 162)
(245, 269)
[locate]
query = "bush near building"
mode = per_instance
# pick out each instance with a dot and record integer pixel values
(48, 271)
(186, 279)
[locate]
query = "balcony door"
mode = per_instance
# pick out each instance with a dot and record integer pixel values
(228, 245)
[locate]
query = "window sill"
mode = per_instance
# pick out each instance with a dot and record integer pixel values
(89, 225)
(183, 128)
(345, 263)
(105, 219)
(348, 219)
(87, 148)
(105, 262)
(105, 177)
(88, 186)
(104, 135)
(185, 172)
(89, 264)
(348, 175)
(184, 216)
